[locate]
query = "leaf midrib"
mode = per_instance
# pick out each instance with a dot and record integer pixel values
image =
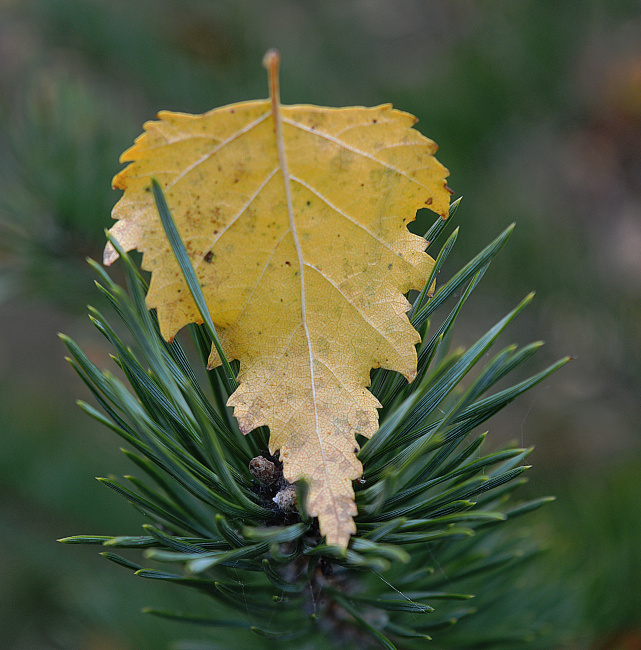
(282, 158)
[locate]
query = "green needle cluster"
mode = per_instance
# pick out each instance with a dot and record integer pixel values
(436, 561)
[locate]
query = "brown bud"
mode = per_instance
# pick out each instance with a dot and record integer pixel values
(286, 498)
(264, 470)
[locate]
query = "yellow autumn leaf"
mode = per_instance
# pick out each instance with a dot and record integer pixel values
(294, 218)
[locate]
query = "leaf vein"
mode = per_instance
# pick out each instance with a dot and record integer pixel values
(216, 149)
(356, 308)
(360, 152)
(336, 209)
(262, 273)
(282, 157)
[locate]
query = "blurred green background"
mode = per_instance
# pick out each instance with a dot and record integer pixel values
(536, 106)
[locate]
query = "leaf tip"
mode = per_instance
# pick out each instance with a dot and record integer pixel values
(110, 254)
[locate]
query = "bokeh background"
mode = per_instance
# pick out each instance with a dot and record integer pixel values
(536, 106)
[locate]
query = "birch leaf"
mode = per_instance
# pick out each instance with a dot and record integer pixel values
(294, 218)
